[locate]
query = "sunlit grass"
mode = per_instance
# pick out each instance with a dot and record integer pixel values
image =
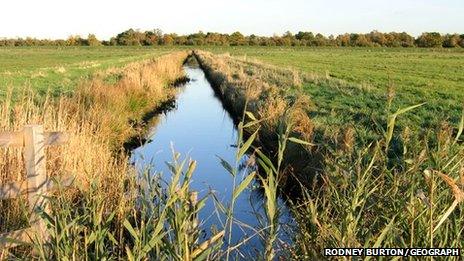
(59, 69)
(374, 182)
(371, 168)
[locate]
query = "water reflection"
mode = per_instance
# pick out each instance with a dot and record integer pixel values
(201, 129)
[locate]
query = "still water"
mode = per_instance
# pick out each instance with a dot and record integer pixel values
(199, 128)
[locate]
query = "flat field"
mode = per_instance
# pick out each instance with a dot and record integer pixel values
(370, 195)
(434, 76)
(59, 69)
(416, 75)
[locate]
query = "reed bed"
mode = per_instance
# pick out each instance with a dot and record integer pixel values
(376, 197)
(98, 117)
(271, 95)
(112, 212)
(403, 188)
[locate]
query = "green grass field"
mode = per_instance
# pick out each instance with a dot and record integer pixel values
(381, 186)
(387, 187)
(418, 75)
(58, 69)
(434, 69)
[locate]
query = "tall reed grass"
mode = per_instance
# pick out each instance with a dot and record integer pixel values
(272, 95)
(99, 117)
(367, 198)
(109, 213)
(404, 189)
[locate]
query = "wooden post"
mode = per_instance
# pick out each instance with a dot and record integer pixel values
(37, 183)
(34, 154)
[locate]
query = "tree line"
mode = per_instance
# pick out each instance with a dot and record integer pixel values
(133, 37)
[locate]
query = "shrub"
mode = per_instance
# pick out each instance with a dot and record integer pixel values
(430, 40)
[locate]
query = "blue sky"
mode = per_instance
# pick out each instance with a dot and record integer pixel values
(105, 18)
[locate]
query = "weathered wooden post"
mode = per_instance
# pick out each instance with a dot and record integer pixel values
(34, 154)
(34, 140)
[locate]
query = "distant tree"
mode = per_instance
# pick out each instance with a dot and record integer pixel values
(359, 40)
(31, 41)
(429, 40)
(237, 38)
(343, 40)
(156, 37)
(168, 39)
(92, 40)
(286, 40)
(130, 37)
(215, 39)
(5, 42)
(331, 41)
(196, 39)
(377, 38)
(451, 40)
(309, 36)
(59, 42)
(151, 38)
(253, 40)
(72, 40)
(264, 41)
(158, 32)
(406, 40)
(319, 40)
(181, 40)
(394, 40)
(19, 42)
(113, 41)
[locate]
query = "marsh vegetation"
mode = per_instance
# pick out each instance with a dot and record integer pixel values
(367, 162)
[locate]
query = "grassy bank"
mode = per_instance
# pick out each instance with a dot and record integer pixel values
(99, 117)
(269, 95)
(367, 76)
(407, 68)
(397, 184)
(367, 174)
(58, 70)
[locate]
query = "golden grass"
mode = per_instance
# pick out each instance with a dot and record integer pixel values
(99, 118)
(274, 96)
(375, 195)
(402, 190)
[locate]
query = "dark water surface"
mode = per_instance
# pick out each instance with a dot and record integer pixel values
(199, 128)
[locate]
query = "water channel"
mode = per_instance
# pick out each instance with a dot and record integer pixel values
(201, 129)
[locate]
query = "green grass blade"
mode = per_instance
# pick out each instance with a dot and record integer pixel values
(226, 166)
(131, 230)
(266, 160)
(302, 142)
(130, 255)
(246, 145)
(392, 120)
(250, 115)
(243, 185)
(404, 110)
(384, 233)
(155, 240)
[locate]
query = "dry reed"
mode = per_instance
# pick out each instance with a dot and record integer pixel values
(98, 119)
